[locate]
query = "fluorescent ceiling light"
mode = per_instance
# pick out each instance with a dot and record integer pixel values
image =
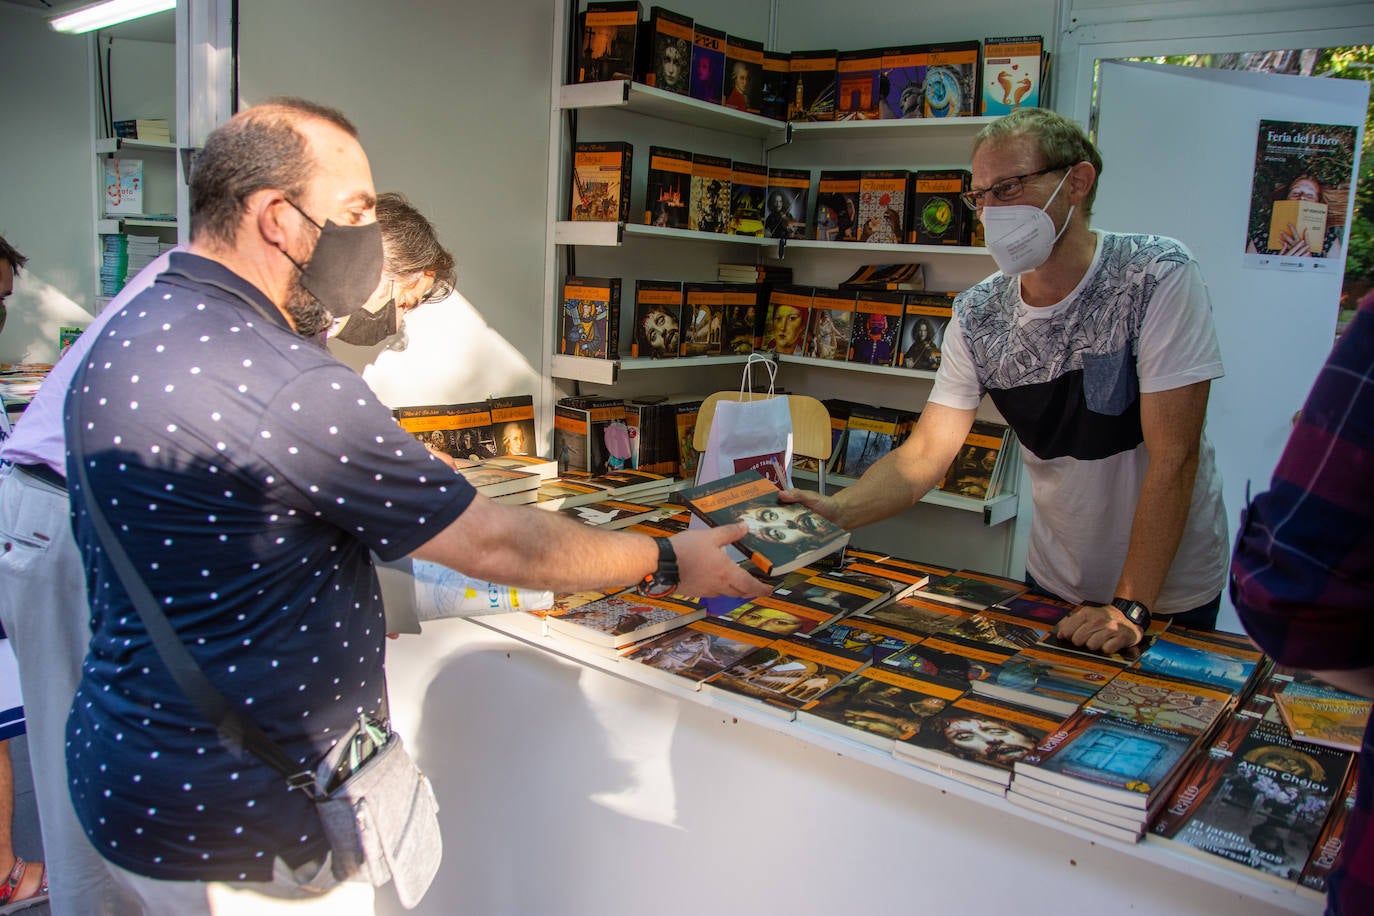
(104, 15)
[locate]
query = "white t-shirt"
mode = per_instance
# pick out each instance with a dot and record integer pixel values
(1067, 378)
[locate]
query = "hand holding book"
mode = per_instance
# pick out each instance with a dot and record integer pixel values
(705, 568)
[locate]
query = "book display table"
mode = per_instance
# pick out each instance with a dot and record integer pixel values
(571, 782)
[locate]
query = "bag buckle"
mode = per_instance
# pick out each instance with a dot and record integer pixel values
(305, 781)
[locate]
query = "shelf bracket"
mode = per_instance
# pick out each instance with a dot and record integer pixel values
(782, 248)
(786, 139)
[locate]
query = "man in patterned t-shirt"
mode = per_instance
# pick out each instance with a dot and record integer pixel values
(1098, 349)
(248, 474)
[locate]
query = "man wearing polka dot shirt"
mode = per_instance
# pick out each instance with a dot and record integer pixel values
(248, 474)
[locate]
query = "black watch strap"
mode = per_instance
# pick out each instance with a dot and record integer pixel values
(663, 580)
(1134, 611)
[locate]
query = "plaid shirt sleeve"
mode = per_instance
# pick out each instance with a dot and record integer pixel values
(1302, 578)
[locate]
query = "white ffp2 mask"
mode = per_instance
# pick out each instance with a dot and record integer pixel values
(1020, 237)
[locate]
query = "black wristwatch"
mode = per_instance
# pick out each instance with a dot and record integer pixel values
(662, 581)
(1133, 611)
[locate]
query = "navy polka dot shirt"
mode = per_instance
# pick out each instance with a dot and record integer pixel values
(247, 473)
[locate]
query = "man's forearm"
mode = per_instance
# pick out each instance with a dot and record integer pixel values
(884, 490)
(1160, 518)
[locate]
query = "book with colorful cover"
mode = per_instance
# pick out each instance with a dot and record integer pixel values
(748, 188)
(856, 84)
(1327, 717)
(971, 589)
(703, 319)
(1260, 805)
(698, 650)
(1011, 74)
(831, 324)
(1042, 678)
(743, 74)
(922, 617)
(777, 84)
(900, 84)
(743, 318)
(925, 319)
(591, 317)
(493, 481)
(669, 190)
(619, 620)
(882, 206)
(459, 430)
(950, 661)
(658, 319)
(778, 617)
(708, 64)
(837, 206)
(1117, 760)
(863, 634)
(974, 470)
(512, 423)
(878, 706)
(784, 329)
(979, 736)
(709, 204)
(601, 181)
(813, 82)
(1161, 701)
(563, 602)
(870, 434)
(840, 595)
(785, 675)
(788, 190)
(580, 434)
(781, 536)
(609, 34)
(877, 327)
(665, 49)
(1216, 658)
(1037, 608)
(938, 216)
(993, 628)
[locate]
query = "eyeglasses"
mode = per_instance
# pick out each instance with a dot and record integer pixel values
(1007, 188)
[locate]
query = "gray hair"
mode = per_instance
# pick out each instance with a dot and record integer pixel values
(410, 245)
(1061, 141)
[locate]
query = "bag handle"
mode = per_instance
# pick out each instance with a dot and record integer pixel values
(234, 726)
(747, 379)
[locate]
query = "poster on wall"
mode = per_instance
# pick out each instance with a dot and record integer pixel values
(1304, 173)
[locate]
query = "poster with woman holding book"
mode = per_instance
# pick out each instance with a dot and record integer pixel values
(1304, 173)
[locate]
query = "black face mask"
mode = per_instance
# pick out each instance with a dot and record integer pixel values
(367, 329)
(345, 266)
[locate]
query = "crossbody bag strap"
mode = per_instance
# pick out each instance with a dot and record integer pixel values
(233, 725)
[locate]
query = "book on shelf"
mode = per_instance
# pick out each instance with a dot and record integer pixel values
(708, 209)
(601, 181)
(925, 319)
(922, 617)
(870, 433)
(1226, 660)
(813, 86)
(616, 621)
(459, 430)
(882, 206)
(492, 481)
(154, 129)
(1011, 74)
(512, 422)
(748, 186)
(1256, 800)
(830, 324)
(1042, 678)
(658, 319)
(1330, 718)
(785, 675)
(974, 470)
(609, 34)
(788, 190)
(685, 419)
(580, 433)
(781, 536)
(653, 423)
(897, 277)
(877, 327)
(878, 706)
(948, 73)
(743, 318)
(753, 273)
(982, 737)
(1123, 762)
(743, 74)
(591, 317)
(777, 84)
(856, 84)
(703, 319)
(837, 206)
(784, 328)
(708, 64)
(938, 216)
(669, 189)
(900, 86)
(1326, 849)
(968, 588)
(700, 649)
(123, 194)
(610, 513)
(665, 50)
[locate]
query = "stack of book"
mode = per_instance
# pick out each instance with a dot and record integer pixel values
(154, 129)
(142, 250)
(752, 273)
(114, 263)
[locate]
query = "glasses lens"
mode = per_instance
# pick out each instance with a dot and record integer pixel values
(970, 199)
(1007, 190)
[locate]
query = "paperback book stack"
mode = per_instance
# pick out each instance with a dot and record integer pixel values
(154, 129)
(142, 251)
(114, 263)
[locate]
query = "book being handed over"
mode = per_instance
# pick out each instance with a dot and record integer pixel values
(782, 536)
